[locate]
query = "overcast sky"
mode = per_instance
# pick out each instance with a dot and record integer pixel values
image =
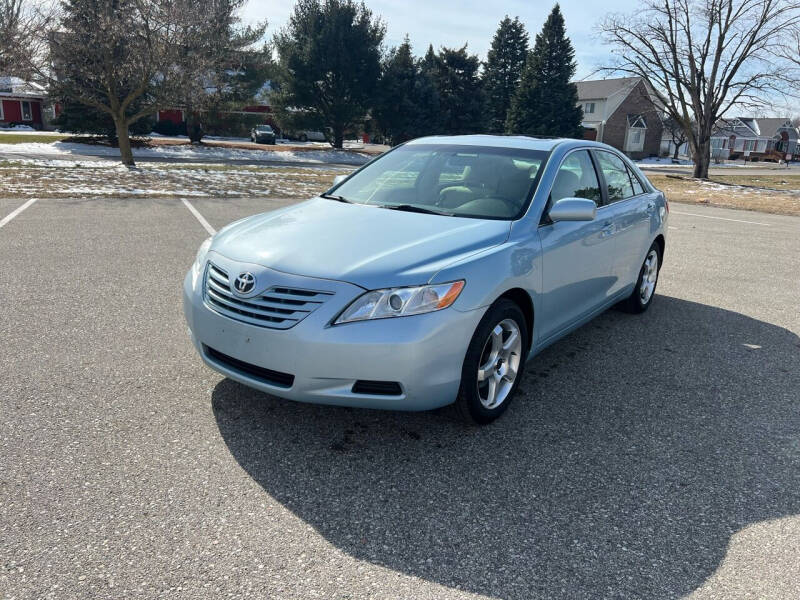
(454, 22)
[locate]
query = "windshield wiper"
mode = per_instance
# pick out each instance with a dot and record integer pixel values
(416, 209)
(337, 198)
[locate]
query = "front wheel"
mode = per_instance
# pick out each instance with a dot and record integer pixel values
(494, 363)
(642, 296)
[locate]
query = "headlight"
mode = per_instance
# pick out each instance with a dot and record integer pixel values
(401, 302)
(200, 259)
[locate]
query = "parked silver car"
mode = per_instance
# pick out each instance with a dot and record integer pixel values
(430, 275)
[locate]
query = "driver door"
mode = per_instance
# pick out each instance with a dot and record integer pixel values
(577, 256)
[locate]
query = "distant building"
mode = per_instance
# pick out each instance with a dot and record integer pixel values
(755, 139)
(261, 106)
(21, 102)
(621, 113)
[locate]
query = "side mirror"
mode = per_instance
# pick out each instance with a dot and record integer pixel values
(339, 179)
(573, 209)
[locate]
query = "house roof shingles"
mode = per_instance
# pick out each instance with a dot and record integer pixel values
(764, 128)
(14, 86)
(604, 88)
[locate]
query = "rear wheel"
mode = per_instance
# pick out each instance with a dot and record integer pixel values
(494, 363)
(303, 137)
(645, 288)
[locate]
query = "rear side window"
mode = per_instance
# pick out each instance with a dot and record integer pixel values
(576, 178)
(637, 184)
(617, 177)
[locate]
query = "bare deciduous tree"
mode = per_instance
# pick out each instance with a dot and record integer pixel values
(677, 134)
(129, 58)
(702, 57)
(23, 32)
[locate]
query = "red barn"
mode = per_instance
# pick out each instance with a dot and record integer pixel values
(21, 102)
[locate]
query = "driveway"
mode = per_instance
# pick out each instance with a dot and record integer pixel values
(648, 456)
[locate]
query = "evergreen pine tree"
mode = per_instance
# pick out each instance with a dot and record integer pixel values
(407, 104)
(328, 65)
(503, 70)
(461, 98)
(546, 103)
(77, 117)
(429, 63)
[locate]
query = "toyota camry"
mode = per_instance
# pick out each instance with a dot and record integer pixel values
(429, 276)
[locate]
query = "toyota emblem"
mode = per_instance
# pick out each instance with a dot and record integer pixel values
(245, 283)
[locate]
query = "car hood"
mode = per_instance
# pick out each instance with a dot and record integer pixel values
(369, 246)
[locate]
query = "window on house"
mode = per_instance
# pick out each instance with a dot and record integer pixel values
(749, 145)
(27, 113)
(637, 127)
(1, 111)
(588, 108)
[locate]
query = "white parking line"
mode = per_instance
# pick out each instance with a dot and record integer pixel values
(16, 212)
(675, 212)
(199, 217)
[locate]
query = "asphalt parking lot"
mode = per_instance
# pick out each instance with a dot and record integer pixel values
(653, 456)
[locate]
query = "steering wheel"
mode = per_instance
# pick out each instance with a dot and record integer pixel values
(512, 204)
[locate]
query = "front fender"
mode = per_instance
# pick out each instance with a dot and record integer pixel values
(494, 271)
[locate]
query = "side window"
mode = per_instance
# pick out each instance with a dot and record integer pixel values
(637, 185)
(576, 178)
(616, 174)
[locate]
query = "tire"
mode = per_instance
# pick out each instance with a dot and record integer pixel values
(303, 137)
(488, 364)
(645, 289)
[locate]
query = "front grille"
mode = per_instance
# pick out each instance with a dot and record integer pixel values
(377, 388)
(279, 307)
(266, 375)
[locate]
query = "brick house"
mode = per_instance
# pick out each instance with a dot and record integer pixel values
(621, 113)
(21, 102)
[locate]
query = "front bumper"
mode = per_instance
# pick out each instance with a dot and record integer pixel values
(423, 353)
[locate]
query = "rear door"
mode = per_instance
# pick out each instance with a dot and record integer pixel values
(577, 257)
(629, 207)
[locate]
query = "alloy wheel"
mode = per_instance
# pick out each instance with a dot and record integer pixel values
(499, 364)
(649, 277)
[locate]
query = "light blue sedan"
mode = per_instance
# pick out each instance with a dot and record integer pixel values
(430, 275)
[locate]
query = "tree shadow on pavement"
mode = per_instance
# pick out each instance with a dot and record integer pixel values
(637, 446)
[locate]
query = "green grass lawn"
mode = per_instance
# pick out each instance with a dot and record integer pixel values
(21, 138)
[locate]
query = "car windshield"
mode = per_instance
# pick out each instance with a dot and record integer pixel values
(264, 128)
(463, 181)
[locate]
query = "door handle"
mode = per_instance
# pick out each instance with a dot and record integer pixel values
(608, 229)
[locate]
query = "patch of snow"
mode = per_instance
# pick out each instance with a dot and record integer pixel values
(221, 138)
(66, 149)
(663, 162)
(18, 128)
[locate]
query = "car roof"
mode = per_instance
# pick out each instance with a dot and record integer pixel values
(525, 142)
(493, 141)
